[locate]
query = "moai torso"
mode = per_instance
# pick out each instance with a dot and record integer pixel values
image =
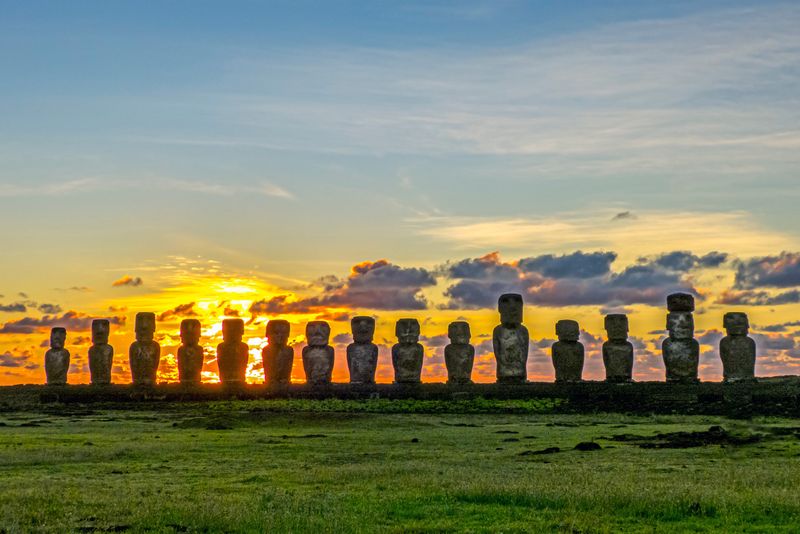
(190, 353)
(680, 350)
(568, 352)
(101, 354)
(510, 340)
(278, 356)
(737, 350)
(145, 353)
(408, 354)
(318, 355)
(362, 354)
(232, 353)
(459, 355)
(618, 351)
(56, 360)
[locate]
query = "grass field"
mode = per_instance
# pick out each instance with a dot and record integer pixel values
(341, 466)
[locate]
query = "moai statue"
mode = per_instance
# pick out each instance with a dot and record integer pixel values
(459, 355)
(618, 351)
(737, 349)
(318, 355)
(278, 356)
(232, 353)
(407, 354)
(362, 354)
(568, 352)
(510, 339)
(145, 353)
(680, 350)
(190, 353)
(101, 353)
(56, 360)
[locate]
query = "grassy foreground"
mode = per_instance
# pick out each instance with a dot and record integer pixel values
(344, 466)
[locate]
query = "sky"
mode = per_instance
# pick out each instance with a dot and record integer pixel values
(321, 160)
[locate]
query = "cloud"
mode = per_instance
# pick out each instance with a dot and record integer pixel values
(49, 308)
(758, 298)
(576, 265)
(9, 359)
(128, 281)
(181, 310)
(624, 215)
(12, 308)
(71, 320)
(781, 327)
(778, 271)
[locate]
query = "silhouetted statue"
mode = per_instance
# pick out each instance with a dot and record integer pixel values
(232, 353)
(278, 356)
(56, 360)
(737, 350)
(510, 339)
(145, 353)
(618, 351)
(101, 354)
(680, 350)
(568, 352)
(318, 355)
(190, 353)
(459, 355)
(362, 354)
(408, 354)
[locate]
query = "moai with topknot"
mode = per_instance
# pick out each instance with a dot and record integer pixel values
(190, 353)
(318, 355)
(568, 352)
(680, 350)
(101, 354)
(618, 351)
(407, 354)
(510, 340)
(459, 355)
(362, 353)
(145, 352)
(737, 350)
(232, 353)
(278, 356)
(56, 360)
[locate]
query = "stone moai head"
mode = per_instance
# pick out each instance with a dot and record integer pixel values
(145, 326)
(100, 331)
(680, 302)
(617, 326)
(58, 337)
(510, 307)
(190, 332)
(736, 323)
(363, 329)
(567, 330)
(459, 333)
(278, 332)
(232, 330)
(407, 331)
(318, 333)
(680, 325)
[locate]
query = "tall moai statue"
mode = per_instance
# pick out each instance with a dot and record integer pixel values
(56, 360)
(318, 355)
(618, 351)
(737, 350)
(145, 352)
(407, 354)
(362, 353)
(568, 352)
(277, 356)
(459, 355)
(680, 350)
(190, 353)
(510, 340)
(232, 353)
(101, 354)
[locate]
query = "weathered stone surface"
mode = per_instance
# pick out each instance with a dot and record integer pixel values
(318, 355)
(408, 354)
(681, 352)
(362, 354)
(618, 351)
(680, 302)
(737, 350)
(101, 354)
(190, 353)
(56, 360)
(145, 353)
(232, 353)
(278, 356)
(459, 355)
(568, 352)
(510, 340)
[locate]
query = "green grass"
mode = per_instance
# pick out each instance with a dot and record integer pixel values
(341, 466)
